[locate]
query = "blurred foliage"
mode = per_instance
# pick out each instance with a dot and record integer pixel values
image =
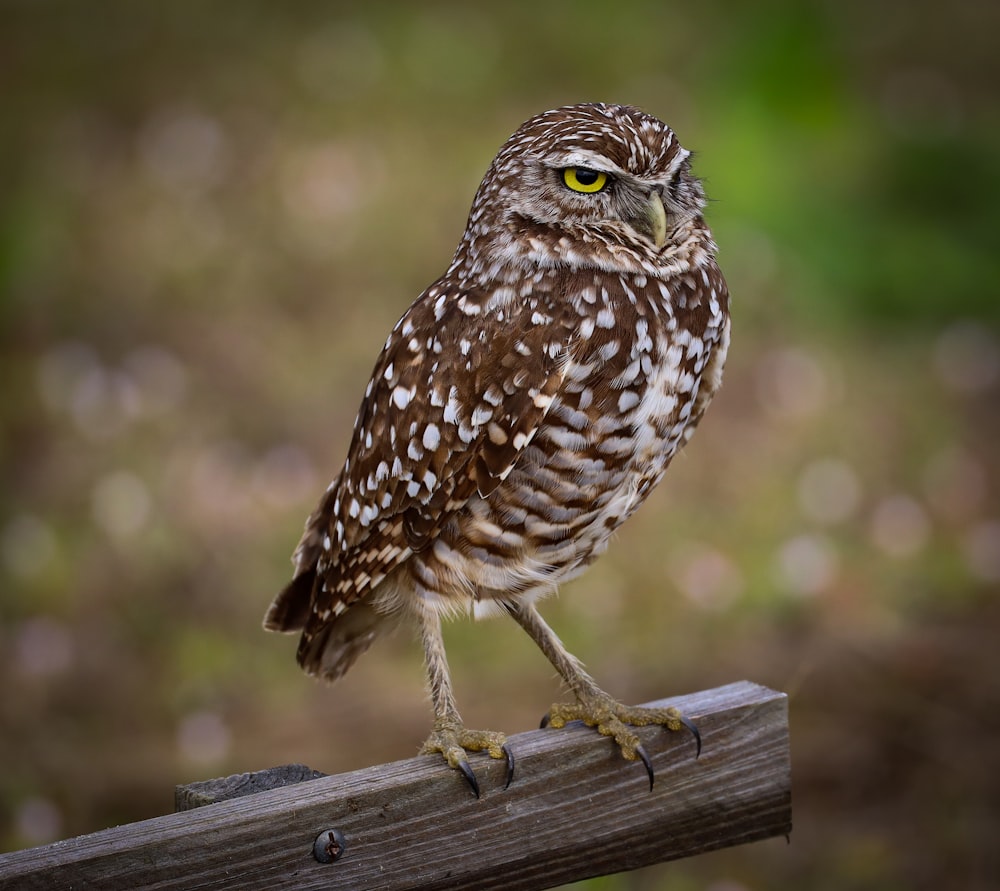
(212, 215)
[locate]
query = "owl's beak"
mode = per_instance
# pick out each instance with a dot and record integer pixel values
(657, 219)
(652, 221)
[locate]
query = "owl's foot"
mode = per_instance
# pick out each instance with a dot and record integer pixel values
(454, 741)
(612, 718)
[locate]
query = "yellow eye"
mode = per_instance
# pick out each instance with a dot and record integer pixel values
(583, 179)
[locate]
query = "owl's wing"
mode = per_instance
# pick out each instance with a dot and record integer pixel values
(460, 389)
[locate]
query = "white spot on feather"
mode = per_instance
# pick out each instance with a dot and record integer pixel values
(628, 399)
(605, 317)
(481, 414)
(401, 397)
(450, 414)
(432, 437)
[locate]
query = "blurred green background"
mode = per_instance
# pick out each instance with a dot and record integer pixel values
(212, 214)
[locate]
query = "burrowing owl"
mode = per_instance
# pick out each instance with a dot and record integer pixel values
(521, 410)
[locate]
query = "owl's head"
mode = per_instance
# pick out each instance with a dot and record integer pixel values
(597, 185)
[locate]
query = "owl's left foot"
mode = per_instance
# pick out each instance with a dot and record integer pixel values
(455, 741)
(614, 719)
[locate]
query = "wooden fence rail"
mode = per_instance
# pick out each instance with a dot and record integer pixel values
(575, 809)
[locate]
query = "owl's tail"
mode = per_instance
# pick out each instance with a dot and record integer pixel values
(290, 609)
(330, 649)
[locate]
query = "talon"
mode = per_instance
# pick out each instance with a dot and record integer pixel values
(690, 725)
(545, 721)
(644, 757)
(510, 765)
(470, 777)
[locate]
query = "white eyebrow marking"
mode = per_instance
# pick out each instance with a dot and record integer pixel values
(584, 158)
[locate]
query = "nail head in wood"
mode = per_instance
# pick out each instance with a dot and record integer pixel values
(329, 846)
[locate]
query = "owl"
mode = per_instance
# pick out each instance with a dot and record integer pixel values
(520, 411)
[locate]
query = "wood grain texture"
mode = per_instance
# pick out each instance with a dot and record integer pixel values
(575, 809)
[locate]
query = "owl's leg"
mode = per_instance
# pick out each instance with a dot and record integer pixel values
(593, 706)
(450, 736)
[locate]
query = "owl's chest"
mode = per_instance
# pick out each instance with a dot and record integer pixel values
(627, 401)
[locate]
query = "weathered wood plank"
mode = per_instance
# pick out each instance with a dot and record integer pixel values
(575, 809)
(192, 795)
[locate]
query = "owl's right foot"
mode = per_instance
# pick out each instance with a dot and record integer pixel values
(454, 741)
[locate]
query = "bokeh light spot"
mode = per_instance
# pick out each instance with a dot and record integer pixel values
(285, 476)
(791, 383)
(967, 357)
(121, 504)
(706, 576)
(184, 149)
(43, 647)
(807, 564)
(203, 738)
(899, 526)
(160, 379)
(982, 550)
(38, 821)
(829, 491)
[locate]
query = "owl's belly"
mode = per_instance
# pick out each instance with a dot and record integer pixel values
(587, 470)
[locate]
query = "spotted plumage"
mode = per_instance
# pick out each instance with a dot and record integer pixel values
(524, 406)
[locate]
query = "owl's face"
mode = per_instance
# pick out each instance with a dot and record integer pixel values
(587, 185)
